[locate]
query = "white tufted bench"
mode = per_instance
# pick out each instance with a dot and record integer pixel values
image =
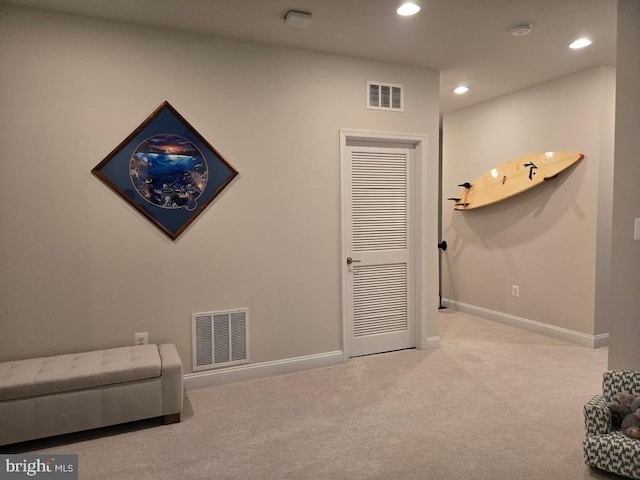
(48, 396)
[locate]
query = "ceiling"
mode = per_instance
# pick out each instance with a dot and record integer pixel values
(468, 41)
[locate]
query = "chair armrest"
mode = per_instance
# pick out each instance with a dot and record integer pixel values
(172, 388)
(597, 416)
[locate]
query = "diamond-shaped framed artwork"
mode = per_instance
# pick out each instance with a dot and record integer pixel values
(166, 170)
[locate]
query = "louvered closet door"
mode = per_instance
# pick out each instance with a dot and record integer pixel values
(378, 238)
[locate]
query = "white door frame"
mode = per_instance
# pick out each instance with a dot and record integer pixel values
(424, 184)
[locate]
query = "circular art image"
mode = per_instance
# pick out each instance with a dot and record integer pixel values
(169, 171)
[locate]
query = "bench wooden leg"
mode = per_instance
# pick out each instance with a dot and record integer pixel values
(172, 418)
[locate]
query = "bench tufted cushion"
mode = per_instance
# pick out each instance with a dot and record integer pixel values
(63, 373)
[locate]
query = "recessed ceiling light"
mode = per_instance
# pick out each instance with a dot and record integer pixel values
(580, 43)
(461, 90)
(408, 8)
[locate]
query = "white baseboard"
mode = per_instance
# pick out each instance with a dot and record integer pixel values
(240, 373)
(593, 341)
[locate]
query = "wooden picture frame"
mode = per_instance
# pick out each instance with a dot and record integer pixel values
(166, 170)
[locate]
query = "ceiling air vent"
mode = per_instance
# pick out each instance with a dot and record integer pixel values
(385, 96)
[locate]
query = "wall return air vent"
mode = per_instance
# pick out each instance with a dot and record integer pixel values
(219, 338)
(385, 96)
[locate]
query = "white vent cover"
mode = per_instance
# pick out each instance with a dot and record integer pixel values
(219, 338)
(385, 96)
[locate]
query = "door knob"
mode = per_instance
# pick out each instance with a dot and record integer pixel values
(351, 260)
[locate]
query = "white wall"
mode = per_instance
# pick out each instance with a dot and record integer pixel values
(80, 269)
(624, 350)
(544, 240)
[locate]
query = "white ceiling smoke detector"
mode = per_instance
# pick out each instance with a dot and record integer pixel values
(521, 29)
(297, 19)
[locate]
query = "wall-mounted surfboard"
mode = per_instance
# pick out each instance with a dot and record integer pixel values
(513, 177)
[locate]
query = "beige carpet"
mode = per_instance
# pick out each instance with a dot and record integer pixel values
(494, 402)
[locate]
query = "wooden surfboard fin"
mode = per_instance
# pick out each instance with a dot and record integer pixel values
(467, 187)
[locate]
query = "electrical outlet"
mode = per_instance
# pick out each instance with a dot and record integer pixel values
(515, 290)
(141, 338)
